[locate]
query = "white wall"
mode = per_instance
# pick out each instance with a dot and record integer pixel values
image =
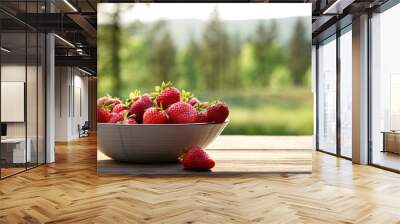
(71, 93)
(80, 97)
(61, 103)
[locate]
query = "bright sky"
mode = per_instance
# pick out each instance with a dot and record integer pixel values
(227, 11)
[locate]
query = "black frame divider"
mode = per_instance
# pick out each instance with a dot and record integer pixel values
(37, 91)
(369, 101)
(26, 89)
(338, 76)
(316, 98)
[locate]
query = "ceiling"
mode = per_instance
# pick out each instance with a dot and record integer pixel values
(74, 22)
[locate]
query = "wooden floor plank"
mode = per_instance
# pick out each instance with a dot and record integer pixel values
(70, 191)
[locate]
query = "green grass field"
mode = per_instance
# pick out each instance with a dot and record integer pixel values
(267, 112)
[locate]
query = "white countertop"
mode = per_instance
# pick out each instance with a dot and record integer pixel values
(13, 140)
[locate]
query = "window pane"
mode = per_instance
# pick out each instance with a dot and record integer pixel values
(327, 96)
(15, 151)
(386, 89)
(346, 93)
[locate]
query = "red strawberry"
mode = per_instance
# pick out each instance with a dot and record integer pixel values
(217, 112)
(167, 95)
(119, 107)
(181, 113)
(140, 105)
(197, 159)
(193, 101)
(103, 116)
(154, 116)
(116, 117)
(202, 117)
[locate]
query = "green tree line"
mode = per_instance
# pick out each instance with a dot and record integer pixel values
(134, 57)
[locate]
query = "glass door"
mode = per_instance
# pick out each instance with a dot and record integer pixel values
(327, 95)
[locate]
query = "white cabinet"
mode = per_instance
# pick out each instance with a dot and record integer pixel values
(15, 148)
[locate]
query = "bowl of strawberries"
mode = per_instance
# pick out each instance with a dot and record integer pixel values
(157, 127)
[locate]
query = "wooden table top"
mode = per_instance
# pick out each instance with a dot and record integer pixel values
(234, 155)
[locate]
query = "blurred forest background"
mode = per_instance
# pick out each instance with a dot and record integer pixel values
(260, 68)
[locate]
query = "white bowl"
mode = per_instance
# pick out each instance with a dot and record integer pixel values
(153, 143)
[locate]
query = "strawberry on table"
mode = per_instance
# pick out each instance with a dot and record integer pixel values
(181, 113)
(155, 116)
(166, 95)
(197, 159)
(217, 112)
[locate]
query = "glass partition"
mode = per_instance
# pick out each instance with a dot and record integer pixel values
(346, 93)
(22, 91)
(14, 153)
(35, 89)
(327, 95)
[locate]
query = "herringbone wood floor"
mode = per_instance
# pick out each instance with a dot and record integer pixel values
(69, 191)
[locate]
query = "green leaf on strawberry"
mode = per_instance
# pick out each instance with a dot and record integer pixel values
(133, 96)
(186, 95)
